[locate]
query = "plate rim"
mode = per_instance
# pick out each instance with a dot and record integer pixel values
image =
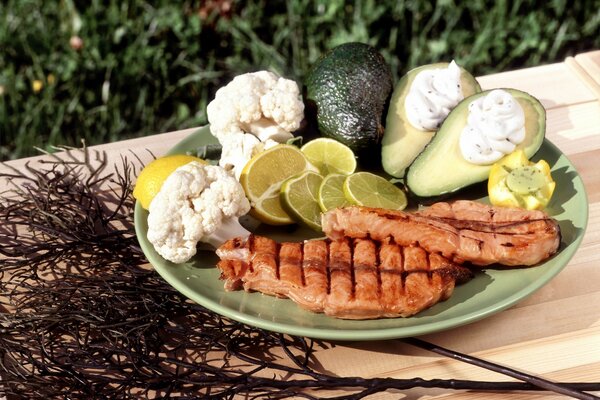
(354, 334)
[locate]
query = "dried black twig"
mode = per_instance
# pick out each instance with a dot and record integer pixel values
(85, 318)
(513, 373)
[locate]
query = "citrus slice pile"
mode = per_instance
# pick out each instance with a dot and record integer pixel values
(263, 176)
(287, 185)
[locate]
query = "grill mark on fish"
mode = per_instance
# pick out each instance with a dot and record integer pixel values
(327, 267)
(429, 274)
(302, 274)
(378, 268)
(352, 279)
(277, 260)
(251, 250)
(352, 274)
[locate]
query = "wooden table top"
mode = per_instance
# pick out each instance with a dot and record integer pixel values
(556, 331)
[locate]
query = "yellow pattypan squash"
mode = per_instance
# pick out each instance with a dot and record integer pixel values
(515, 181)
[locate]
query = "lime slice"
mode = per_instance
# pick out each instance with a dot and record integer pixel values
(330, 156)
(299, 197)
(263, 176)
(370, 190)
(331, 192)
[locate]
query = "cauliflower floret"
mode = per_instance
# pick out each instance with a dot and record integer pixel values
(257, 104)
(283, 104)
(237, 150)
(196, 203)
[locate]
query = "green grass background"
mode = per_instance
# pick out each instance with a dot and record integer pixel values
(152, 66)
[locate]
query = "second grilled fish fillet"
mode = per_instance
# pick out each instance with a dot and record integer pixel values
(464, 231)
(349, 278)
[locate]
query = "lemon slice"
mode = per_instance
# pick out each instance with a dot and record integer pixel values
(154, 174)
(331, 192)
(370, 190)
(263, 176)
(330, 156)
(299, 197)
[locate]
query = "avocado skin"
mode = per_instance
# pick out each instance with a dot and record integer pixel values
(350, 86)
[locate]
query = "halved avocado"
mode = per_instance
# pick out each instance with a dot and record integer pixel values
(441, 169)
(402, 142)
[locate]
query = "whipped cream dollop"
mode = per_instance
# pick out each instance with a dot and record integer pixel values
(432, 95)
(495, 126)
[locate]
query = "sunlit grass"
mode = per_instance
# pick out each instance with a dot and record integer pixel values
(104, 71)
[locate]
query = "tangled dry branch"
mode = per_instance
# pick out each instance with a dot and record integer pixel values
(85, 318)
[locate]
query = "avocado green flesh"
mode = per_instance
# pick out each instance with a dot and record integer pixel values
(402, 142)
(441, 169)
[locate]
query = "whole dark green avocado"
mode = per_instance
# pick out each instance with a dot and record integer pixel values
(350, 86)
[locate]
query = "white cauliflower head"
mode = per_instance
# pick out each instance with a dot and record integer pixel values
(255, 102)
(194, 202)
(260, 104)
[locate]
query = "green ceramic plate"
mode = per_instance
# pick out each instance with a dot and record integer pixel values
(488, 293)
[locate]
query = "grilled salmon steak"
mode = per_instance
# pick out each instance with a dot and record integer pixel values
(463, 231)
(346, 278)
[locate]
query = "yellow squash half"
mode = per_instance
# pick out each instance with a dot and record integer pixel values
(517, 182)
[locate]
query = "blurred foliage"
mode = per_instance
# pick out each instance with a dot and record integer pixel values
(108, 70)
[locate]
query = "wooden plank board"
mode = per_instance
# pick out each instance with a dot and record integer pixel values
(590, 63)
(575, 128)
(555, 331)
(555, 85)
